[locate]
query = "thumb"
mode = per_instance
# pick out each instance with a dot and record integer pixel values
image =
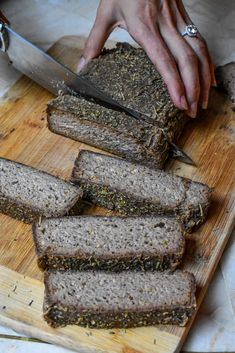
(95, 42)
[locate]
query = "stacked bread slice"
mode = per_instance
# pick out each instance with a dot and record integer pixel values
(105, 271)
(111, 271)
(116, 271)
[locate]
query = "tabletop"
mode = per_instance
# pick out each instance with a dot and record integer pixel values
(43, 22)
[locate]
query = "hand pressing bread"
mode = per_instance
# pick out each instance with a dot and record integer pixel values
(183, 62)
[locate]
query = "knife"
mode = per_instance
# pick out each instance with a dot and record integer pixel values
(57, 78)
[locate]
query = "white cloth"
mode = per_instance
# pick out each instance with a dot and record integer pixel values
(45, 21)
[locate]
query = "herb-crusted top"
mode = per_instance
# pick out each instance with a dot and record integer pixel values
(80, 108)
(127, 74)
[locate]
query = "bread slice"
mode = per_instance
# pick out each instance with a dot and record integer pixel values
(111, 300)
(138, 190)
(110, 130)
(27, 193)
(109, 243)
(127, 74)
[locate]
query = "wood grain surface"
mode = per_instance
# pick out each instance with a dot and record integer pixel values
(25, 138)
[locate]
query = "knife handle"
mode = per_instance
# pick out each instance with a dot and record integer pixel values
(4, 40)
(3, 18)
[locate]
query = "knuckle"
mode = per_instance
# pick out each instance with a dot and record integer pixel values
(166, 10)
(202, 47)
(207, 80)
(147, 19)
(147, 24)
(164, 60)
(138, 32)
(190, 58)
(91, 48)
(195, 90)
(171, 29)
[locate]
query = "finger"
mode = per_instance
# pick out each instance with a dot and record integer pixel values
(181, 9)
(200, 49)
(212, 70)
(100, 32)
(187, 62)
(94, 44)
(158, 53)
(206, 68)
(209, 60)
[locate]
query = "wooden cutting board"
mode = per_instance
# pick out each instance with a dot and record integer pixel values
(24, 137)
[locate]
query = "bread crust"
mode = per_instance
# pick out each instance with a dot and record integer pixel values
(57, 314)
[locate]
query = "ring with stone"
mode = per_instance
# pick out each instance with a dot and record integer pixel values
(190, 31)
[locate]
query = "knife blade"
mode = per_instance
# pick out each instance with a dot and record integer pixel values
(57, 78)
(52, 75)
(178, 153)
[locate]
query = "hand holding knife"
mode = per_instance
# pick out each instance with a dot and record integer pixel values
(55, 77)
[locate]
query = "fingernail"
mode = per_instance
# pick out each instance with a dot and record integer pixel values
(183, 103)
(214, 82)
(205, 104)
(193, 110)
(81, 64)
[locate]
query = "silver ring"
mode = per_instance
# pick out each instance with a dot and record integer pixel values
(190, 31)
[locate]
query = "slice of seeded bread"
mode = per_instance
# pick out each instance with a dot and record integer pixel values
(138, 190)
(111, 300)
(110, 130)
(27, 193)
(109, 243)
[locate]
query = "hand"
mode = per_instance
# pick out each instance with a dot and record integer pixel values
(3, 18)
(183, 62)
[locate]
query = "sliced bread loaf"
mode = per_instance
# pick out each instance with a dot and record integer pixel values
(137, 190)
(110, 130)
(27, 193)
(128, 75)
(126, 299)
(109, 243)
